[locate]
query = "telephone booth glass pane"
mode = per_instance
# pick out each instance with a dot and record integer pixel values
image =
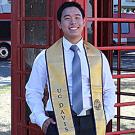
(36, 32)
(39, 8)
(89, 8)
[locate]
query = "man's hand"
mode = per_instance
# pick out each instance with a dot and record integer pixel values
(47, 123)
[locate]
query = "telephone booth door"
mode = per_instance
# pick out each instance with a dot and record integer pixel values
(34, 28)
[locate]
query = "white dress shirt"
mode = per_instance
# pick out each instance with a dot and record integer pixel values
(38, 79)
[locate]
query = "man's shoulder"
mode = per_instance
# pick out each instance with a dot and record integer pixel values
(55, 45)
(91, 48)
(88, 44)
(41, 55)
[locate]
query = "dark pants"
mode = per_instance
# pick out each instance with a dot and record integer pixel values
(84, 125)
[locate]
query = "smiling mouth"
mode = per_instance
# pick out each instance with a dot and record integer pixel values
(73, 28)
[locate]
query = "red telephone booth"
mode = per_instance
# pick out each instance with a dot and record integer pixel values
(34, 28)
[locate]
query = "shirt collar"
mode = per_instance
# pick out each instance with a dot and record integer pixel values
(67, 44)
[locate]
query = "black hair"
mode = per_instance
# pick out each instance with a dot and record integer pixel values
(66, 5)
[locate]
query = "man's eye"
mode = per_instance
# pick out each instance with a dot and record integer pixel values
(77, 17)
(67, 18)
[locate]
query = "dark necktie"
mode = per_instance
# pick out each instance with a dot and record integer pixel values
(76, 81)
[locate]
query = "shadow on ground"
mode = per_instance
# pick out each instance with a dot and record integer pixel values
(5, 68)
(5, 133)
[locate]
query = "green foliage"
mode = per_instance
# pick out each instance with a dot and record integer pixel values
(5, 89)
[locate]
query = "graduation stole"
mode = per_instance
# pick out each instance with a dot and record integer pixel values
(59, 89)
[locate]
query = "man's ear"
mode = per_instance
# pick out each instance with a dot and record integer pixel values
(59, 24)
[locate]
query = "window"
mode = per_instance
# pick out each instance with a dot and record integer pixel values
(5, 30)
(124, 28)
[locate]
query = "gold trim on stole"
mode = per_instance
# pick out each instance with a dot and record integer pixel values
(59, 88)
(95, 62)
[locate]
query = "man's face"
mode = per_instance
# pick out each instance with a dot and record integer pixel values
(72, 23)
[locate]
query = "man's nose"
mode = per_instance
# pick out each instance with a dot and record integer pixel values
(73, 21)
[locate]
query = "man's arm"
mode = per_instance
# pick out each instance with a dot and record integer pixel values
(108, 91)
(35, 89)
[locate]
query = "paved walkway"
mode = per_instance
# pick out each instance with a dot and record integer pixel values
(5, 98)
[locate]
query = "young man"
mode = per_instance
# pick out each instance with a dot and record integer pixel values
(81, 89)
